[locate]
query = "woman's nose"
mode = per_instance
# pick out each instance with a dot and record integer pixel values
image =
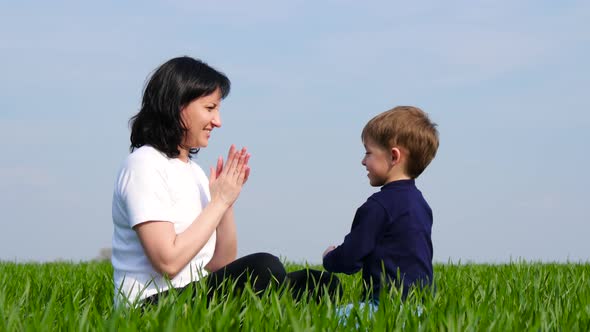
(216, 122)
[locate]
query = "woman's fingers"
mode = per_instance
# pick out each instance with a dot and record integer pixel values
(239, 171)
(244, 175)
(246, 169)
(231, 151)
(219, 165)
(230, 155)
(228, 184)
(229, 161)
(247, 159)
(247, 175)
(236, 168)
(236, 163)
(212, 175)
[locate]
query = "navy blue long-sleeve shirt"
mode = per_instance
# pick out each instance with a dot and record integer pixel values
(390, 231)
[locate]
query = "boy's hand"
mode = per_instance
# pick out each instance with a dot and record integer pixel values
(330, 248)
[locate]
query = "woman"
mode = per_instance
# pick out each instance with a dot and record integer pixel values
(172, 224)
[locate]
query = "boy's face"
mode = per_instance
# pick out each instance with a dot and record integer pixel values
(378, 162)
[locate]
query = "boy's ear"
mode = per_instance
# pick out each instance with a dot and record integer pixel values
(395, 155)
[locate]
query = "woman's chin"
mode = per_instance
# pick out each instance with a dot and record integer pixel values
(201, 144)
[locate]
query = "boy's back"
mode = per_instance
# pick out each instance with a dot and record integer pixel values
(390, 231)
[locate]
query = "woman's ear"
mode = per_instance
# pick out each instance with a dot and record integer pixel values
(183, 121)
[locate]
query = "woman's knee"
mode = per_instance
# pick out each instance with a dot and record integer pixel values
(263, 263)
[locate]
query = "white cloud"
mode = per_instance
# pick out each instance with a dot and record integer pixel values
(306, 75)
(26, 175)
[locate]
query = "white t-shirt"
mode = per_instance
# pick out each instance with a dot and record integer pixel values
(151, 186)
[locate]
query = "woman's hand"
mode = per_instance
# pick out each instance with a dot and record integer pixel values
(226, 181)
(169, 252)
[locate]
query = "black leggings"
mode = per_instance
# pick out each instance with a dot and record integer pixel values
(261, 271)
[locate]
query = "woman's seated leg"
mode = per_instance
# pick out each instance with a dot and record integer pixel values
(260, 269)
(314, 284)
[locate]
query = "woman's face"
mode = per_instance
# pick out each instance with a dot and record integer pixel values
(200, 116)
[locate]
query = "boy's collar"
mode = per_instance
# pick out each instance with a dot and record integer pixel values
(399, 183)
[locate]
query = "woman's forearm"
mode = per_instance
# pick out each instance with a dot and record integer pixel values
(226, 246)
(169, 252)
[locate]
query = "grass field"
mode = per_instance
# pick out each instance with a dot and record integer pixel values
(519, 296)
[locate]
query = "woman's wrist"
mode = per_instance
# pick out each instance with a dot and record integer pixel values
(221, 203)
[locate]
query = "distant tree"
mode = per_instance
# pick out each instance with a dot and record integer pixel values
(104, 254)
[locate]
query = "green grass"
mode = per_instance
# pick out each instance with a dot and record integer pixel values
(519, 296)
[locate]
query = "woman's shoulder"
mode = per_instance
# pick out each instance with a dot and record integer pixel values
(145, 156)
(145, 153)
(199, 170)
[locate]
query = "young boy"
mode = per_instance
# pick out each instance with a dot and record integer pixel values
(391, 231)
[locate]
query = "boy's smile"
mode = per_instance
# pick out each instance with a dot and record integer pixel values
(384, 165)
(378, 163)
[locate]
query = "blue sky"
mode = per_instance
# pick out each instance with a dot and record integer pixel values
(506, 81)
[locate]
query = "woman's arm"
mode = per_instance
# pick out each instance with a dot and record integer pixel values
(226, 245)
(169, 252)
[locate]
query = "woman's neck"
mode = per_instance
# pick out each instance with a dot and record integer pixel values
(184, 154)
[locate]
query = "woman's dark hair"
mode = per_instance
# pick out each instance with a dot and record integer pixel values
(170, 88)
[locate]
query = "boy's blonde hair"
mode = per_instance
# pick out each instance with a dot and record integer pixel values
(409, 128)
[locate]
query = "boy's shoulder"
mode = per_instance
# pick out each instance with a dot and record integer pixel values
(399, 196)
(398, 189)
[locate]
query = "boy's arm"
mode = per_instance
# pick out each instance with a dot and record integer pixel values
(360, 242)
